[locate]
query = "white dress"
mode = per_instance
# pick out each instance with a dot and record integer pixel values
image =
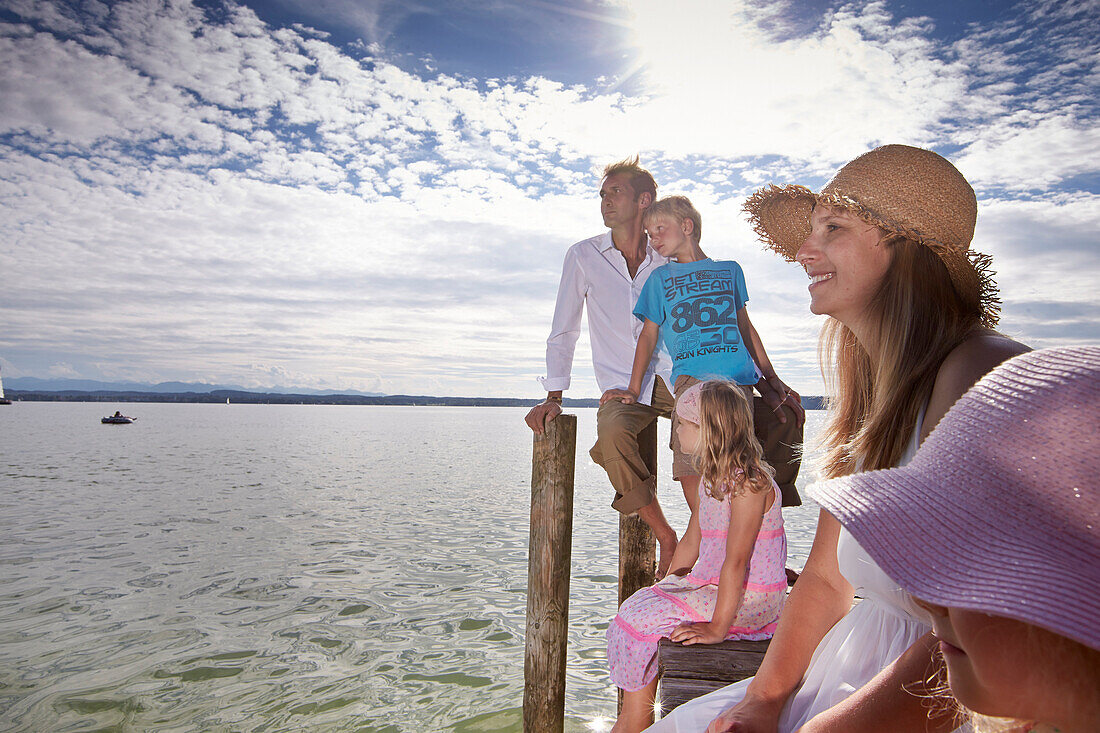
(870, 636)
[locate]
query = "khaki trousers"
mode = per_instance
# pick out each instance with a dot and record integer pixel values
(616, 450)
(782, 444)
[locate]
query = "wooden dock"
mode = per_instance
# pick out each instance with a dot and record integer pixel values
(687, 672)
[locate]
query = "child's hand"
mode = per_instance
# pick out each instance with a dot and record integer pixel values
(776, 393)
(623, 395)
(700, 633)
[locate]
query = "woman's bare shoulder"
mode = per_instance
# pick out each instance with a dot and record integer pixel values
(968, 362)
(978, 355)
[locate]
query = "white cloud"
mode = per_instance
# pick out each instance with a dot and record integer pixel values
(195, 195)
(62, 371)
(1027, 151)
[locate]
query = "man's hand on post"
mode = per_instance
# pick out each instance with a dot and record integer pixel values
(541, 414)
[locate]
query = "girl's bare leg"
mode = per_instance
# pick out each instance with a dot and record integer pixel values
(637, 712)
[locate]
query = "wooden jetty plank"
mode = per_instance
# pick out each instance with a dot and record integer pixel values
(687, 672)
(675, 691)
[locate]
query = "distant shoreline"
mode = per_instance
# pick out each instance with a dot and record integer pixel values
(274, 398)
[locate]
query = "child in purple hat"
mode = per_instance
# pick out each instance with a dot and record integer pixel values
(994, 529)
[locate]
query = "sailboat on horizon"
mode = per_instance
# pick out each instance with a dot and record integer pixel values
(3, 400)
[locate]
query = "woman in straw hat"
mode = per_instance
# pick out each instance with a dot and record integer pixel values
(1005, 553)
(886, 245)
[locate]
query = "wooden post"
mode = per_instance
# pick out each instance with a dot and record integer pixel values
(637, 545)
(549, 549)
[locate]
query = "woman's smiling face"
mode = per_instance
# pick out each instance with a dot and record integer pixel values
(846, 260)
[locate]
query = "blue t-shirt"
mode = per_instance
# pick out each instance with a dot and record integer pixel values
(695, 304)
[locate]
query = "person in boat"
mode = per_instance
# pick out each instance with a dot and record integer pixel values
(117, 414)
(886, 245)
(607, 272)
(999, 540)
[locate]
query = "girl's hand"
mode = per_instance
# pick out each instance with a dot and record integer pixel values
(700, 633)
(623, 395)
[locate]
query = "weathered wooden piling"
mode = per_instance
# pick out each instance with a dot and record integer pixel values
(549, 549)
(637, 546)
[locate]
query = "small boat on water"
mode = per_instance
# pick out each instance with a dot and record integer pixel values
(117, 419)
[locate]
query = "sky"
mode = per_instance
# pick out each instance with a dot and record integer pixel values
(376, 195)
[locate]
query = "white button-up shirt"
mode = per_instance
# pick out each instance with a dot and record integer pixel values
(595, 273)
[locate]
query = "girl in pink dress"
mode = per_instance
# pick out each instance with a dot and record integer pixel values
(727, 579)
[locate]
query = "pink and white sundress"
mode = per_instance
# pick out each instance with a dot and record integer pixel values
(653, 612)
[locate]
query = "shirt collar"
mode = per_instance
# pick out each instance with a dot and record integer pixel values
(606, 243)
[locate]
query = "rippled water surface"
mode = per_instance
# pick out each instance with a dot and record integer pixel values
(275, 568)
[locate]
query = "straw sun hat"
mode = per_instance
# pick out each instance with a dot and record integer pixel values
(904, 190)
(999, 511)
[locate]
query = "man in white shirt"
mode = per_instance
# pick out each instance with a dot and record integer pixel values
(607, 272)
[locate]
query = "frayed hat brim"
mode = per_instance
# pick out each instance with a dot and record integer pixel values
(780, 216)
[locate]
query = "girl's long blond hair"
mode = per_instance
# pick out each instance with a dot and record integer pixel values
(918, 319)
(728, 455)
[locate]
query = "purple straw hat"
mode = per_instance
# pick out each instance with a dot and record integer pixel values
(998, 512)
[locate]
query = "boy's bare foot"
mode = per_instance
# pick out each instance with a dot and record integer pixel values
(652, 515)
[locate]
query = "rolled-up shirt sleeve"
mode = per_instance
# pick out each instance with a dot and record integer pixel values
(566, 326)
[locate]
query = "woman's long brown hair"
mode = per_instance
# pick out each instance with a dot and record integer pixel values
(918, 318)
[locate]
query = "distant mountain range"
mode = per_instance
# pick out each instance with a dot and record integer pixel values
(34, 384)
(87, 390)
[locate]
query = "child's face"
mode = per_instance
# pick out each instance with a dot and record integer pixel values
(1003, 667)
(688, 433)
(668, 237)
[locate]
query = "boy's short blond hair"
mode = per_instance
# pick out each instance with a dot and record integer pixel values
(677, 208)
(641, 180)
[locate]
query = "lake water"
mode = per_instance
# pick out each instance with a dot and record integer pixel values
(279, 568)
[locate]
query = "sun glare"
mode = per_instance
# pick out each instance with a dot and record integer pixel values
(719, 76)
(600, 724)
(699, 64)
(688, 47)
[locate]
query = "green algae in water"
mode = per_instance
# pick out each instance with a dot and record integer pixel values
(472, 624)
(453, 678)
(202, 674)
